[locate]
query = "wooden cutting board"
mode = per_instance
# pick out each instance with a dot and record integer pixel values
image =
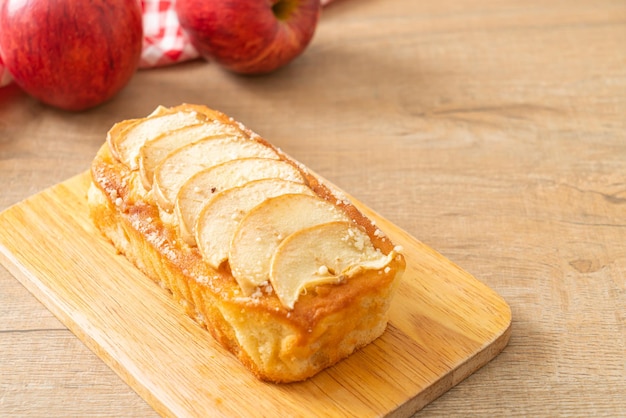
(444, 324)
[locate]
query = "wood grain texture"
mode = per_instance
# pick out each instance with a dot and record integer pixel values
(493, 131)
(444, 324)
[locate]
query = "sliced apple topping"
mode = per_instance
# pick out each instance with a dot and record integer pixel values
(126, 145)
(155, 150)
(219, 218)
(203, 185)
(113, 135)
(322, 254)
(118, 128)
(261, 231)
(180, 165)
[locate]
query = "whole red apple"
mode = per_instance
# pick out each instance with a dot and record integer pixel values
(249, 36)
(68, 53)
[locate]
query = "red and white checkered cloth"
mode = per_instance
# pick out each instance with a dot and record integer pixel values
(164, 41)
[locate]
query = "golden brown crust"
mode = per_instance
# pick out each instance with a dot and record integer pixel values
(277, 344)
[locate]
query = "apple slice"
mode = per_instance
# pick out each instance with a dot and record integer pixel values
(203, 185)
(119, 127)
(155, 150)
(329, 253)
(115, 131)
(180, 165)
(261, 231)
(219, 217)
(125, 146)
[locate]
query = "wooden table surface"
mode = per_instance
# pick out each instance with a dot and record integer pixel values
(493, 131)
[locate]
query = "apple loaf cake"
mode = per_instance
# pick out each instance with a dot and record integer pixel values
(279, 266)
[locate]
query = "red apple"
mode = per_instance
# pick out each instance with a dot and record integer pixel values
(249, 36)
(71, 54)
